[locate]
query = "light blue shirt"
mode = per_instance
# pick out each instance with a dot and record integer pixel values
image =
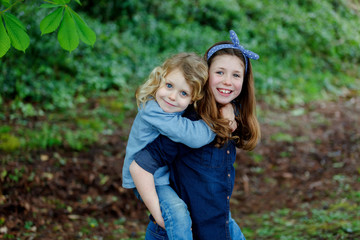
(149, 123)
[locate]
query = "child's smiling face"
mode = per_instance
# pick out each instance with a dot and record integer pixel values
(226, 77)
(174, 95)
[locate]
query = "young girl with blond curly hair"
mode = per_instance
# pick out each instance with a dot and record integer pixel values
(161, 101)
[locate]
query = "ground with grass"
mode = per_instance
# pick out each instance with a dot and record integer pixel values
(301, 182)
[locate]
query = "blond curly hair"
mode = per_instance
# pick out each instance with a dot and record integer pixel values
(192, 66)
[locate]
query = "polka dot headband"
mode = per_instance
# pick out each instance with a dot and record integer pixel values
(236, 45)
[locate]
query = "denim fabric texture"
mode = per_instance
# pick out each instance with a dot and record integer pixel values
(203, 178)
(235, 231)
(154, 232)
(175, 213)
(151, 121)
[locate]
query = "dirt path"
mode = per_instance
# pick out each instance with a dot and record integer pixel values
(302, 151)
(60, 194)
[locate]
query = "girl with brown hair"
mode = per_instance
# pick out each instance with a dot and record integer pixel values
(204, 177)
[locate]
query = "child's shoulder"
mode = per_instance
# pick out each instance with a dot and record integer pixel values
(150, 105)
(152, 108)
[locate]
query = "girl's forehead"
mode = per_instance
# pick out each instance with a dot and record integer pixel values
(177, 78)
(175, 73)
(228, 61)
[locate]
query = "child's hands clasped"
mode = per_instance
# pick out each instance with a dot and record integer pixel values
(160, 221)
(227, 112)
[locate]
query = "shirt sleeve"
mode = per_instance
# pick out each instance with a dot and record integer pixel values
(194, 134)
(162, 151)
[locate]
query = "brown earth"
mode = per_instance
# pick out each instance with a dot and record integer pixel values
(63, 194)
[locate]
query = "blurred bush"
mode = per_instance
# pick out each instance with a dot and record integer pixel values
(308, 49)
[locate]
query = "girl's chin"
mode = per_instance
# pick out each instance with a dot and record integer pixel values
(223, 100)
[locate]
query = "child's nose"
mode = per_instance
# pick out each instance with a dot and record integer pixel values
(227, 80)
(172, 96)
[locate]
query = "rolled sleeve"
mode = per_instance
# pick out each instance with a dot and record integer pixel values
(146, 161)
(161, 152)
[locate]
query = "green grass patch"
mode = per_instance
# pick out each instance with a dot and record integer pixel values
(339, 220)
(9, 142)
(76, 129)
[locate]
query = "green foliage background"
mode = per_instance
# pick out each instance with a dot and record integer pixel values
(305, 47)
(308, 50)
(54, 100)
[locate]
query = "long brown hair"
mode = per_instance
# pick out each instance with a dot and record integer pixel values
(247, 133)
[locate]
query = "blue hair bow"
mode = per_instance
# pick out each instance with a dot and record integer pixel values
(236, 45)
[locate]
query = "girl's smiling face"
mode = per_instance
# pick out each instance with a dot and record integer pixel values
(174, 95)
(226, 77)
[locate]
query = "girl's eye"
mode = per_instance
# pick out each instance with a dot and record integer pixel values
(169, 85)
(220, 72)
(236, 75)
(184, 94)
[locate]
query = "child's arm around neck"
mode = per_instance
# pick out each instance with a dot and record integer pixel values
(180, 129)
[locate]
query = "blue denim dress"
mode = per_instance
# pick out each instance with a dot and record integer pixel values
(202, 177)
(149, 123)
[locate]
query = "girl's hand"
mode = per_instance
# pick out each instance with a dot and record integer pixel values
(227, 112)
(160, 221)
(145, 185)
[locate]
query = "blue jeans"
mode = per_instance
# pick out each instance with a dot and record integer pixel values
(176, 217)
(155, 232)
(235, 232)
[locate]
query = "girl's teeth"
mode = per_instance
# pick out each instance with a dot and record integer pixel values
(224, 91)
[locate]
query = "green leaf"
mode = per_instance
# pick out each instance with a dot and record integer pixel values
(78, 1)
(47, 5)
(67, 35)
(6, 3)
(4, 39)
(16, 30)
(87, 35)
(61, 1)
(52, 21)
(16, 21)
